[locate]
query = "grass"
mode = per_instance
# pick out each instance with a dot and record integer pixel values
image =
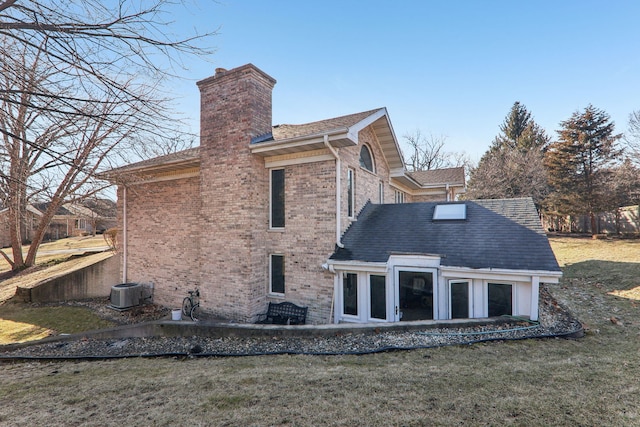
(590, 381)
(45, 254)
(26, 322)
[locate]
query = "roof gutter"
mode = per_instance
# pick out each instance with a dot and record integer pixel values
(338, 186)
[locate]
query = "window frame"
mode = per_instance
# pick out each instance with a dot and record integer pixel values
(512, 303)
(351, 193)
(469, 283)
(370, 154)
(272, 277)
(281, 204)
(350, 276)
(399, 196)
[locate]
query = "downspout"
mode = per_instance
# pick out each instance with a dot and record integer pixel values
(124, 234)
(338, 218)
(338, 186)
(448, 193)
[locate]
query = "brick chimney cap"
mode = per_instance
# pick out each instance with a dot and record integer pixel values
(220, 70)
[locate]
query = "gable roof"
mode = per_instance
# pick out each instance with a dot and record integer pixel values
(286, 131)
(340, 131)
(497, 234)
(181, 159)
(439, 177)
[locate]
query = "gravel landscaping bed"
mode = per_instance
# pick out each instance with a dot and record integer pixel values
(555, 320)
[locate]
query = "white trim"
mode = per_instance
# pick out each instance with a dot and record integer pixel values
(299, 143)
(469, 283)
(171, 177)
(358, 266)
(501, 274)
(387, 285)
(269, 164)
(535, 291)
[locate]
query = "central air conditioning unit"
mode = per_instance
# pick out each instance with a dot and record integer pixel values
(126, 295)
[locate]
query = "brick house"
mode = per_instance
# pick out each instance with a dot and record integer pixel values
(256, 212)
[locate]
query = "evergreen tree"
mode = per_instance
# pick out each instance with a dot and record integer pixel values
(579, 164)
(513, 165)
(520, 131)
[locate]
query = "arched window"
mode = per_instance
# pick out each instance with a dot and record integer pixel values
(366, 161)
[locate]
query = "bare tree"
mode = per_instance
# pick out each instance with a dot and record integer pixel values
(80, 83)
(427, 153)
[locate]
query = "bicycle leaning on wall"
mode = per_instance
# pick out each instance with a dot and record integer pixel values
(191, 305)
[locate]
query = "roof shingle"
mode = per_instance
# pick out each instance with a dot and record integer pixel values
(501, 234)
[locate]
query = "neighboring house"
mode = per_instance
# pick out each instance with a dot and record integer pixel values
(72, 219)
(255, 213)
(30, 222)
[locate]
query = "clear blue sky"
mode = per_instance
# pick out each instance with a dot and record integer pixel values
(448, 68)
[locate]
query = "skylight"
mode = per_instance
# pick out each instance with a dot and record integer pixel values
(450, 211)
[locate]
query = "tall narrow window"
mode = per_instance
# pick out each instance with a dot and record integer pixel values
(378, 297)
(350, 293)
(276, 270)
(277, 198)
(460, 300)
(399, 196)
(500, 299)
(351, 190)
(381, 192)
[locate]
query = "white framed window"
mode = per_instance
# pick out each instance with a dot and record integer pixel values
(276, 198)
(350, 294)
(500, 299)
(399, 196)
(276, 274)
(351, 192)
(377, 297)
(460, 301)
(366, 159)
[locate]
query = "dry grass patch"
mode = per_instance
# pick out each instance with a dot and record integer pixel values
(590, 381)
(27, 322)
(52, 251)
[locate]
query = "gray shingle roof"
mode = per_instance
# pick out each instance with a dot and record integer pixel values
(439, 176)
(285, 131)
(501, 234)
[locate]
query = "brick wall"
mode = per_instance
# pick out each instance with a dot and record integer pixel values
(235, 107)
(163, 237)
(307, 240)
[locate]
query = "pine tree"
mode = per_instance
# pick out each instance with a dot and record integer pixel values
(513, 165)
(578, 164)
(520, 131)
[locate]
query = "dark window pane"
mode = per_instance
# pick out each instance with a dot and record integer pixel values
(277, 274)
(416, 295)
(459, 300)
(350, 192)
(378, 297)
(350, 293)
(499, 299)
(277, 198)
(365, 158)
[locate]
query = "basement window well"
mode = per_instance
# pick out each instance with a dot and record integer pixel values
(455, 211)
